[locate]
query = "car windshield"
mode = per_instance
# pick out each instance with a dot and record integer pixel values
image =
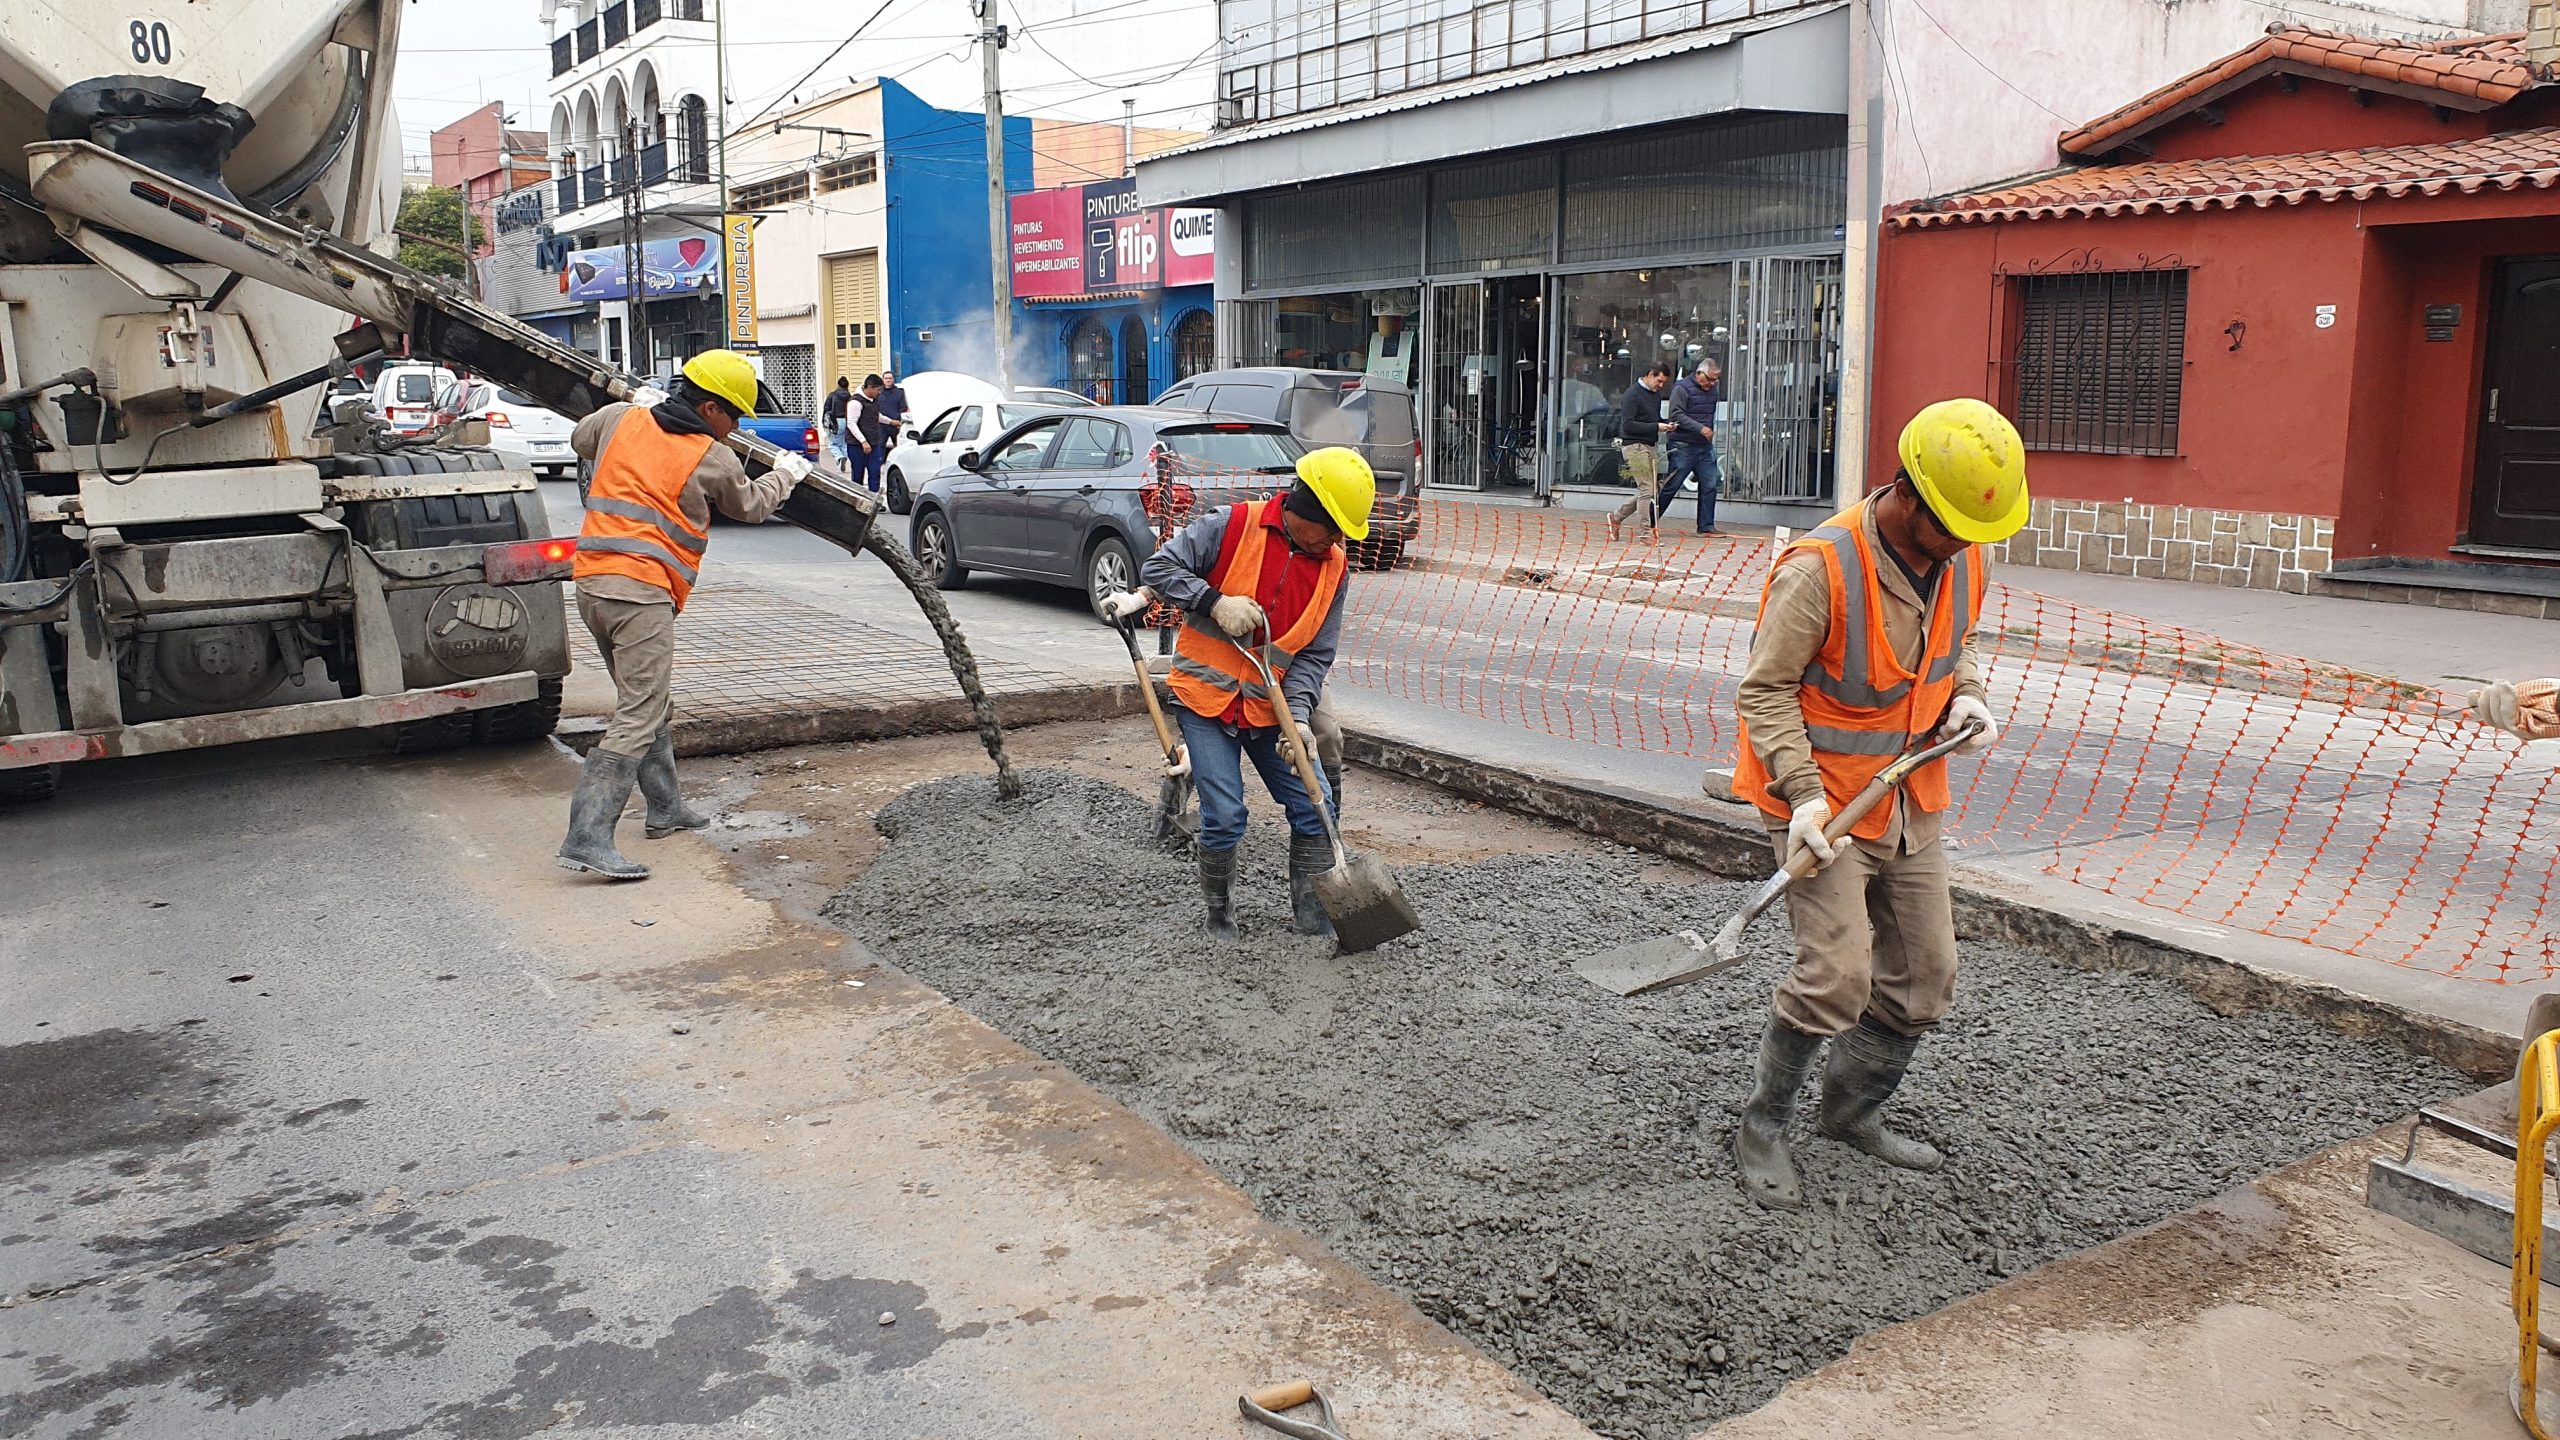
(1016, 414)
(1231, 447)
(1346, 412)
(510, 397)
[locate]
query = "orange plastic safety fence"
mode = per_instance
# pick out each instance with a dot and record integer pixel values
(2166, 767)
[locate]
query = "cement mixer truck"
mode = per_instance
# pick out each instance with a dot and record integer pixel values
(196, 203)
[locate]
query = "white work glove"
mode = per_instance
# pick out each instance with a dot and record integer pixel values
(1963, 709)
(1238, 615)
(648, 397)
(1804, 828)
(1128, 603)
(1307, 740)
(2526, 709)
(1180, 764)
(792, 466)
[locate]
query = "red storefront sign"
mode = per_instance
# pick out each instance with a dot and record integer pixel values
(1048, 243)
(1089, 240)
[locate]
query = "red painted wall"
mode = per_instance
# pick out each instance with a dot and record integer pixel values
(2364, 420)
(2264, 120)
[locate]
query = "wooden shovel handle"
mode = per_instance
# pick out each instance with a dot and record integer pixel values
(1801, 863)
(1286, 1396)
(1147, 687)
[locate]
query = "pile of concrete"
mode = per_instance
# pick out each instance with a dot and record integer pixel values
(1521, 1153)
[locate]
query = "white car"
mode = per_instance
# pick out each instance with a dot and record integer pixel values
(405, 395)
(1050, 395)
(519, 429)
(926, 451)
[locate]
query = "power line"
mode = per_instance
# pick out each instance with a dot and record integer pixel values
(823, 61)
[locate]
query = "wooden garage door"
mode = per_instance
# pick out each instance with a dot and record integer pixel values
(853, 317)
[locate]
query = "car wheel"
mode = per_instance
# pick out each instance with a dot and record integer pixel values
(900, 502)
(938, 557)
(1108, 571)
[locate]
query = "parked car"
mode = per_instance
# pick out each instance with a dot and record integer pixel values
(519, 428)
(1063, 496)
(926, 451)
(1051, 395)
(405, 395)
(1329, 407)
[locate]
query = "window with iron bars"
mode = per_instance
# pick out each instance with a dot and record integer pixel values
(2100, 361)
(844, 174)
(764, 194)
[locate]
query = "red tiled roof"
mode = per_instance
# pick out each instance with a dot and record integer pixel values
(2472, 73)
(2510, 161)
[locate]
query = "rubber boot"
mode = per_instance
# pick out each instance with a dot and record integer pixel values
(1866, 1066)
(1309, 857)
(1333, 783)
(604, 787)
(1217, 887)
(1768, 1169)
(667, 811)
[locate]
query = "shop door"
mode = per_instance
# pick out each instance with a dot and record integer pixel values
(853, 317)
(1463, 387)
(2515, 501)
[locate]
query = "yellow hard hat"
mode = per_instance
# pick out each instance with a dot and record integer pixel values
(1346, 485)
(727, 374)
(1969, 464)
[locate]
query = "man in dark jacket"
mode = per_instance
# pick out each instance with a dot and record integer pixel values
(831, 416)
(1692, 442)
(870, 436)
(1641, 423)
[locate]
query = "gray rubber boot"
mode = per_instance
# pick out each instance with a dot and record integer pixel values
(604, 787)
(1768, 1169)
(1217, 887)
(1866, 1066)
(1309, 857)
(667, 811)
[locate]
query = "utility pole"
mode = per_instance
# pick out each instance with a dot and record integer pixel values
(1129, 135)
(991, 38)
(718, 117)
(635, 271)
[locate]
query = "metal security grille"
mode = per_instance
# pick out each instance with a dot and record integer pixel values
(1782, 425)
(1736, 184)
(1497, 215)
(792, 373)
(1335, 235)
(2101, 361)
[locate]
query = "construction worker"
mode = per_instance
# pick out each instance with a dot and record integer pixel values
(1267, 573)
(1861, 654)
(659, 472)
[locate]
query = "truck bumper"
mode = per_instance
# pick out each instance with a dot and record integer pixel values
(58, 747)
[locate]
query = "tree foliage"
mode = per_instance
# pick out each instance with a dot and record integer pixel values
(431, 225)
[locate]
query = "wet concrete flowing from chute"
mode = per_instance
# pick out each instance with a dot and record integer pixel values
(955, 648)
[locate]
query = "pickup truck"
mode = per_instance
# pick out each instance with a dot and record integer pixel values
(772, 424)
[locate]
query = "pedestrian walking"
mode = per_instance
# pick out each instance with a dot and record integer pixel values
(659, 471)
(1859, 655)
(1641, 426)
(1691, 448)
(1271, 573)
(868, 434)
(892, 406)
(831, 417)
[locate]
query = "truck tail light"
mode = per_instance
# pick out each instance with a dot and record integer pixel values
(521, 562)
(809, 441)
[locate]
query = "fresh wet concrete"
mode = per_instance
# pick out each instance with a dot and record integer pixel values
(1471, 1124)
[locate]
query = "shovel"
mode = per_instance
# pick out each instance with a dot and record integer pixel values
(1177, 809)
(1664, 961)
(1363, 901)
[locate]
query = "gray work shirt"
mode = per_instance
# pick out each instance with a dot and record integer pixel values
(1178, 573)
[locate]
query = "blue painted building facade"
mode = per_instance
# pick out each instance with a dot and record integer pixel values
(1112, 300)
(940, 294)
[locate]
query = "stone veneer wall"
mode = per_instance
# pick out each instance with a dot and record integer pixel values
(2246, 549)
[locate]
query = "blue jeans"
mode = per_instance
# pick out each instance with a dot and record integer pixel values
(1218, 754)
(1695, 462)
(865, 465)
(835, 441)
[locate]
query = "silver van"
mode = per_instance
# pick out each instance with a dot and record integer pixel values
(1327, 407)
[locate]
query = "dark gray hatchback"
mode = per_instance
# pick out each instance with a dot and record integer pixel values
(1066, 497)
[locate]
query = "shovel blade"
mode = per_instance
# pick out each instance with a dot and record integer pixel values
(1365, 904)
(1656, 964)
(1177, 817)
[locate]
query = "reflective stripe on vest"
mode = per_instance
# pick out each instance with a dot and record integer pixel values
(1210, 672)
(635, 523)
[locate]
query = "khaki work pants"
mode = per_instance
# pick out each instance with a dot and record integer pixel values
(1328, 728)
(638, 642)
(1644, 468)
(1875, 935)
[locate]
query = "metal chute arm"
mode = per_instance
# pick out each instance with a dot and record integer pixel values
(77, 178)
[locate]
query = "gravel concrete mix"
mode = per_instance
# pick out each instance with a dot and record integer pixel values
(1464, 1118)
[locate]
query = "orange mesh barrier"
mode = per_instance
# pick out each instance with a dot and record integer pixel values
(2164, 766)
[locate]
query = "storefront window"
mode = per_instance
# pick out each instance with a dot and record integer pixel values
(1195, 345)
(1371, 331)
(1089, 363)
(1615, 326)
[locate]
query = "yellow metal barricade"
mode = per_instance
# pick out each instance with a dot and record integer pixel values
(2537, 1114)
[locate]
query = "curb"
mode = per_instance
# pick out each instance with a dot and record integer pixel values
(836, 723)
(2075, 934)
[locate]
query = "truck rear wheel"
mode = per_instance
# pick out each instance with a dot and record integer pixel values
(514, 724)
(30, 786)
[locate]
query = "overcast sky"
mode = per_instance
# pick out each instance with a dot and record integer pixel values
(1079, 60)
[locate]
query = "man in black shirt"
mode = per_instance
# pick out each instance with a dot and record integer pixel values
(1641, 424)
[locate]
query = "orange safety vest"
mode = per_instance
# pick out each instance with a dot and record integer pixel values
(1861, 707)
(1209, 672)
(636, 524)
